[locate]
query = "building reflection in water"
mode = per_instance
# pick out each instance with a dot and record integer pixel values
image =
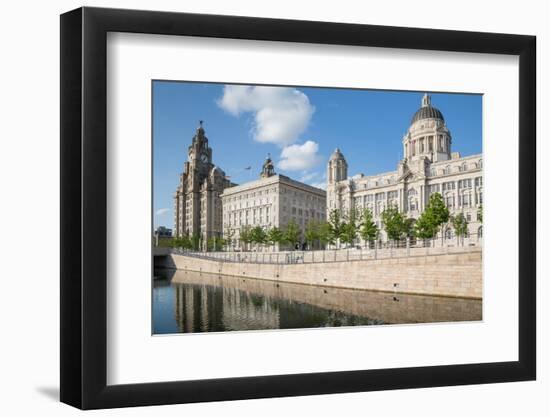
(210, 303)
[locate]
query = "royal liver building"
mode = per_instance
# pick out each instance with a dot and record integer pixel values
(197, 201)
(428, 166)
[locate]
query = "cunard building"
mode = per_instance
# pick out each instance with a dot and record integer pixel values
(197, 202)
(428, 166)
(273, 200)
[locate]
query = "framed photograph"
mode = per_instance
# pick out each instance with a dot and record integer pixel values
(258, 208)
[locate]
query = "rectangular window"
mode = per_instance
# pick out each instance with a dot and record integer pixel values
(467, 183)
(448, 186)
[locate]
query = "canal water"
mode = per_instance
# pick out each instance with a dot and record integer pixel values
(191, 302)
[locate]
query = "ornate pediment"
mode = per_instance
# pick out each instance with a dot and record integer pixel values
(408, 177)
(405, 173)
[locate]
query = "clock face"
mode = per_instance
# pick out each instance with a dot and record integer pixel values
(204, 157)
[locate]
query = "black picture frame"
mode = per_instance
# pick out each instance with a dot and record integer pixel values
(84, 207)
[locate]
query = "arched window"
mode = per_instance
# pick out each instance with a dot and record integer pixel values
(480, 163)
(464, 167)
(447, 170)
(448, 234)
(480, 232)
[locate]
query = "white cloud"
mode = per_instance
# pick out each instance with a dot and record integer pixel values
(315, 179)
(321, 185)
(299, 157)
(306, 177)
(161, 211)
(281, 114)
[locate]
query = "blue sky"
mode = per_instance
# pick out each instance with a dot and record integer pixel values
(300, 127)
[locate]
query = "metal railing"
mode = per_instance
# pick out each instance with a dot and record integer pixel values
(396, 250)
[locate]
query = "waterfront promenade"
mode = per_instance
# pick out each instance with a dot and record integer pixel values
(328, 255)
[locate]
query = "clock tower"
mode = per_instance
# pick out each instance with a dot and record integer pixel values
(199, 153)
(197, 206)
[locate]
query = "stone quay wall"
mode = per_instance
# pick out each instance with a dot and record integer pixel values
(451, 275)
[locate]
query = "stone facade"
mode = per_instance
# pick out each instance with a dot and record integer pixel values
(428, 166)
(197, 201)
(271, 201)
(462, 276)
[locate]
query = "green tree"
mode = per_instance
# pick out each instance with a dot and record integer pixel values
(348, 233)
(335, 221)
(258, 236)
(186, 242)
(326, 236)
(349, 227)
(245, 236)
(274, 236)
(311, 233)
(425, 226)
(439, 211)
(394, 223)
(195, 242)
(292, 234)
(228, 236)
(430, 221)
(215, 243)
(369, 230)
(460, 226)
(408, 226)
